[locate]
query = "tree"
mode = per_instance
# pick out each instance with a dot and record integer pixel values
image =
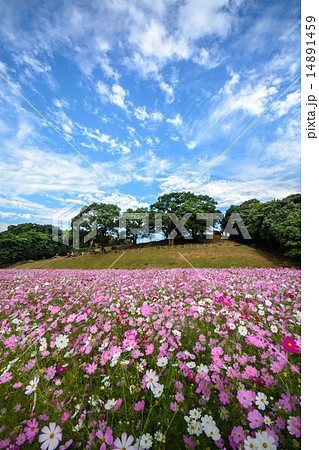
(101, 217)
(181, 203)
(243, 210)
(275, 224)
(136, 223)
(28, 241)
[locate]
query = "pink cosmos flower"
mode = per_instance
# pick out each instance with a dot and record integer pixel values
(251, 371)
(217, 351)
(32, 429)
(238, 435)
(20, 439)
(61, 369)
(106, 438)
(149, 349)
(294, 426)
(65, 416)
(255, 419)
(287, 402)
(280, 423)
(124, 443)
(254, 340)
(117, 405)
(6, 377)
(179, 397)
(139, 406)
(224, 397)
(146, 309)
(66, 445)
(135, 353)
(91, 368)
(174, 406)
(246, 398)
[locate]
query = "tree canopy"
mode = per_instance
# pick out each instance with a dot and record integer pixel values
(28, 241)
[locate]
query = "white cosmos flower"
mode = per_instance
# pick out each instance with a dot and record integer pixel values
(265, 441)
(273, 328)
(162, 362)
(202, 368)
(32, 386)
(195, 428)
(212, 431)
(207, 420)
(261, 400)
(250, 443)
(62, 341)
(158, 436)
(158, 390)
(50, 436)
(195, 414)
(242, 330)
(110, 404)
(43, 344)
(190, 364)
(145, 441)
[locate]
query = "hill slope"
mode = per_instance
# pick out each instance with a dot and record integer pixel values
(218, 255)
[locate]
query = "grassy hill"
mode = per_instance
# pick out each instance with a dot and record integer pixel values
(219, 254)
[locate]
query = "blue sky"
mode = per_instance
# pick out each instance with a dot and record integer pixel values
(121, 101)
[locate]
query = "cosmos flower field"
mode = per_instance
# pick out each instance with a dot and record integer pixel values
(138, 359)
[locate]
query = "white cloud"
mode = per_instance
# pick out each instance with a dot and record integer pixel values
(169, 92)
(191, 145)
(157, 116)
(177, 121)
(116, 95)
(251, 99)
(283, 106)
(140, 113)
(155, 42)
(228, 192)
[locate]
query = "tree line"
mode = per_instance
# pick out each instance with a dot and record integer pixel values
(275, 225)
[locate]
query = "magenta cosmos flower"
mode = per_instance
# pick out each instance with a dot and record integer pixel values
(124, 443)
(289, 345)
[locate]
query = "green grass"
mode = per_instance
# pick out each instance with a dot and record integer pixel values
(221, 255)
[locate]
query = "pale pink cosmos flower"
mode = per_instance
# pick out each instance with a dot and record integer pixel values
(151, 379)
(50, 436)
(124, 443)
